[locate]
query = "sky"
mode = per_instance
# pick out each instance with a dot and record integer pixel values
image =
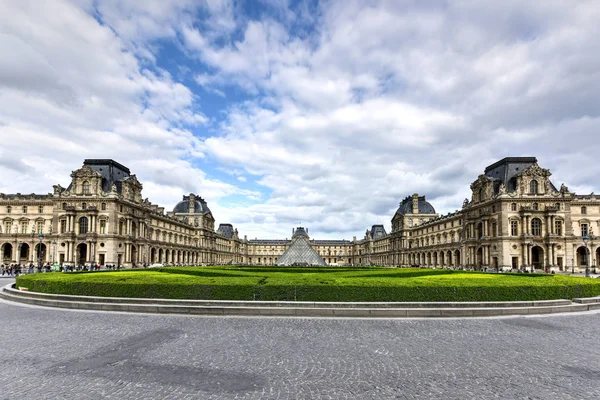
(282, 113)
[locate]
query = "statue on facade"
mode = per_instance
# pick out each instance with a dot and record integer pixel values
(502, 188)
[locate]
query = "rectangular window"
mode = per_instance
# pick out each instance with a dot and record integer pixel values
(584, 229)
(558, 228)
(63, 225)
(40, 227)
(8, 227)
(41, 209)
(23, 227)
(102, 227)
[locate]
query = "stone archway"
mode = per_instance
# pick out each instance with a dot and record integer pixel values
(134, 255)
(23, 252)
(582, 256)
(81, 253)
(153, 256)
(537, 257)
(479, 255)
(7, 250)
(40, 253)
(457, 257)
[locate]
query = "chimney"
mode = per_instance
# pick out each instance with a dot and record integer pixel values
(415, 203)
(192, 203)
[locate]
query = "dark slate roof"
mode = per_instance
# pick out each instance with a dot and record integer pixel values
(330, 242)
(111, 171)
(377, 231)
(269, 241)
(200, 206)
(424, 206)
(225, 230)
(505, 169)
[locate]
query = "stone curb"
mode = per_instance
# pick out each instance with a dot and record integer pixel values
(301, 309)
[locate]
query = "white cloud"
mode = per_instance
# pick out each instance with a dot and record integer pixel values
(341, 120)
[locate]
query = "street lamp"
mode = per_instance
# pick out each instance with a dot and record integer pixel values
(53, 250)
(41, 237)
(586, 239)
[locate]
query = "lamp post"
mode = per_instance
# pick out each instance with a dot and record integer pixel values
(41, 237)
(586, 239)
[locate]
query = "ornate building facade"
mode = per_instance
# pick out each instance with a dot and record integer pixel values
(515, 218)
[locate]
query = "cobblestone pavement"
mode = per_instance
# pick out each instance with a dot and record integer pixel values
(48, 354)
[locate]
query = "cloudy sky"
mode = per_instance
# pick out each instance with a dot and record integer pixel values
(281, 112)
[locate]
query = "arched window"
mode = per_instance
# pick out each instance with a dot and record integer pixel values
(536, 227)
(533, 187)
(583, 210)
(514, 228)
(103, 206)
(513, 207)
(83, 225)
(86, 187)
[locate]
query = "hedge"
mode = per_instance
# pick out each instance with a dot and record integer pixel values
(345, 285)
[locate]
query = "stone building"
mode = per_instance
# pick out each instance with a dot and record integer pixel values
(516, 217)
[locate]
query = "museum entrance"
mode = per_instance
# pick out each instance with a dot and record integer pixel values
(537, 257)
(81, 253)
(582, 256)
(7, 250)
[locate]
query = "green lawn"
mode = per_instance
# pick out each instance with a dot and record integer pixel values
(313, 284)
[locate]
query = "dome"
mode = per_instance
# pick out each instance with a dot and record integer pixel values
(406, 206)
(200, 206)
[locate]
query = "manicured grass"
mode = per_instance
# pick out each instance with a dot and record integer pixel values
(313, 284)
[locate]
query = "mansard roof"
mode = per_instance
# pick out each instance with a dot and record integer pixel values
(225, 230)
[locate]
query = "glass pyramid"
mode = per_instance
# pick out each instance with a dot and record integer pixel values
(300, 252)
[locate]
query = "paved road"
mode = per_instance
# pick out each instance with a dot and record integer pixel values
(47, 354)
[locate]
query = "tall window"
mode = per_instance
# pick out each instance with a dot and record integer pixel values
(514, 228)
(558, 228)
(533, 187)
(41, 209)
(83, 206)
(83, 225)
(536, 206)
(40, 227)
(583, 210)
(63, 225)
(64, 206)
(103, 206)
(584, 229)
(513, 207)
(102, 226)
(8, 209)
(86, 187)
(23, 227)
(120, 227)
(536, 227)
(494, 229)
(557, 205)
(481, 194)
(24, 209)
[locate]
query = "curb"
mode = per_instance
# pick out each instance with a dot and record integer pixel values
(301, 309)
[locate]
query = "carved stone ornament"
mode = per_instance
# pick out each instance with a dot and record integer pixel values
(85, 172)
(536, 171)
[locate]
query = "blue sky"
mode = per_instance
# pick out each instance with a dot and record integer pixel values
(279, 112)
